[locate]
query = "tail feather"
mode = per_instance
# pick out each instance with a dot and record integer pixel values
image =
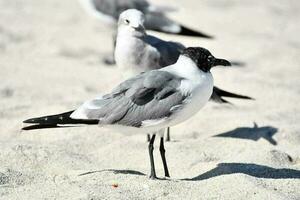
(189, 32)
(218, 95)
(54, 121)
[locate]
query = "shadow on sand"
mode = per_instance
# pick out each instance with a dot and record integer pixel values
(115, 171)
(258, 171)
(254, 133)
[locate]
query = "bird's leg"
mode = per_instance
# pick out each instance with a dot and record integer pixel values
(148, 137)
(150, 147)
(168, 138)
(163, 156)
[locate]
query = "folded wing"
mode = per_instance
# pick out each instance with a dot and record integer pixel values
(150, 96)
(169, 51)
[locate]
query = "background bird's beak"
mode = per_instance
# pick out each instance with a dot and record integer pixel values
(137, 26)
(221, 62)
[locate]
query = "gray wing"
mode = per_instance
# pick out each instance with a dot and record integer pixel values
(157, 21)
(169, 51)
(150, 96)
(155, 18)
(114, 8)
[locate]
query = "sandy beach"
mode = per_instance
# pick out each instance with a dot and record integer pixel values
(51, 55)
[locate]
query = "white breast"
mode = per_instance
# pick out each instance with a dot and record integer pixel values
(126, 55)
(200, 94)
(198, 85)
(134, 56)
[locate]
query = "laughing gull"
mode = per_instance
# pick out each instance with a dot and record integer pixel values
(137, 52)
(156, 19)
(148, 102)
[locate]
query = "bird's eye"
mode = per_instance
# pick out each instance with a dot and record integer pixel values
(127, 21)
(209, 58)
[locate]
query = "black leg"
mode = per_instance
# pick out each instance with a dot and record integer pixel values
(168, 138)
(163, 156)
(150, 147)
(148, 137)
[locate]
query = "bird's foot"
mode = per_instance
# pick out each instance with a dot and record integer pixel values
(153, 177)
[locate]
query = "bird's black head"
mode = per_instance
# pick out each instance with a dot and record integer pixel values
(203, 58)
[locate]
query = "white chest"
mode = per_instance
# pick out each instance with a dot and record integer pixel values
(128, 51)
(200, 92)
(134, 56)
(196, 84)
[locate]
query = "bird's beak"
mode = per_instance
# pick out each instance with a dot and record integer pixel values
(138, 26)
(221, 62)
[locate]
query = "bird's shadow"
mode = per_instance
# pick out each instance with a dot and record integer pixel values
(121, 171)
(252, 133)
(258, 171)
(115, 171)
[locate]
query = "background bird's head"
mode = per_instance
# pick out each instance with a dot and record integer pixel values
(131, 21)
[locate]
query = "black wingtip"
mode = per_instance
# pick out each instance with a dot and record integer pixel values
(238, 96)
(242, 97)
(223, 93)
(38, 126)
(221, 100)
(189, 32)
(56, 121)
(43, 126)
(219, 94)
(29, 121)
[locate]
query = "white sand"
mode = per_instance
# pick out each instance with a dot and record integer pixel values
(50, 59)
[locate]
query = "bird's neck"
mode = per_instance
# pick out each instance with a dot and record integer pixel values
(129, 41)
(186, 68)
